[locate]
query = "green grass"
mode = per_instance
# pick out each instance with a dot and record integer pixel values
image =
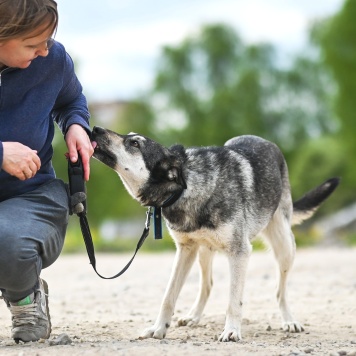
(351, 239)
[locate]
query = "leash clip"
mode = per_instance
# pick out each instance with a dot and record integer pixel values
(157, 221)
(148, 218)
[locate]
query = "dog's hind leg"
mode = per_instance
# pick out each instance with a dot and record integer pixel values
(183, 262)
(206, 256)
(280, 237)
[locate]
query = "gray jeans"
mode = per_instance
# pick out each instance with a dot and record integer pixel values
(32, 232)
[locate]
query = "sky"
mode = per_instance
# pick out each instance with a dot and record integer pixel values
(116, 43)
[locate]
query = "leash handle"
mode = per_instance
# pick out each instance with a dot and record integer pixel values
(76, 178)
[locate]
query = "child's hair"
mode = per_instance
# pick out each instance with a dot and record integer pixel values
(21, 17)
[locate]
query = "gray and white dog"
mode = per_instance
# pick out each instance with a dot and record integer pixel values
(214, 198)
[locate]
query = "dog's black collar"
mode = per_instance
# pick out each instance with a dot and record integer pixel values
(157, 214)
(172, 199)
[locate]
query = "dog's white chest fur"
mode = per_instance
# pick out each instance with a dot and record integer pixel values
(217, 239)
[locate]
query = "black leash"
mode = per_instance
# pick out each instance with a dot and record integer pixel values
(84, 226)
(78, 204)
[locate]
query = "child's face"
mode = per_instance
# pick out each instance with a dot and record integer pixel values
(19, 52)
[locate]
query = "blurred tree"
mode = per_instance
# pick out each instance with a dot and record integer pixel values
(137, 116)
(213, 86)
(336, 38)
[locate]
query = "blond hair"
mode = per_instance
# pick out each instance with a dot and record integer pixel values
(21, 17)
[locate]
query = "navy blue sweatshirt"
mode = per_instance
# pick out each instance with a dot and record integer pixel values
(31, 100)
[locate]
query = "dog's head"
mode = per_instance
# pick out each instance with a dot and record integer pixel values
(150, 172)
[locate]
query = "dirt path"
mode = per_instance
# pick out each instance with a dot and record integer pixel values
(105, 317)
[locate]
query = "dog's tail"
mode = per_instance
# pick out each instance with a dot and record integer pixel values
(306, 206)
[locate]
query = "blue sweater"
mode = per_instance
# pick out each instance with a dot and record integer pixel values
(31, 100)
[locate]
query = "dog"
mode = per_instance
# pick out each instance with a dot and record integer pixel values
(214, 199)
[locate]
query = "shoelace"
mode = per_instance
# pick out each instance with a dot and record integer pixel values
(24, 314)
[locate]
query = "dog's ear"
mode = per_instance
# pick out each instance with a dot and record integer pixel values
(175, 174)
(169, 169)
(179, 151)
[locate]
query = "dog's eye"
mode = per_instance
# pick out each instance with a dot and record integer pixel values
(134, 143)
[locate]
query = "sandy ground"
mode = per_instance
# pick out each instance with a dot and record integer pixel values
(104, 317)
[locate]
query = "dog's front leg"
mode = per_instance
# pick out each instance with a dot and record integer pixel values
(206, 255)
(183, 261)
(238, 266)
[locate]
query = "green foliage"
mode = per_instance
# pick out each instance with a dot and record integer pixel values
(305, 237)
(351, 239)
(136, 116)
(218, 87)
(336, 38)
(315, 162)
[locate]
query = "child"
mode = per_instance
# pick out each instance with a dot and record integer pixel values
(37, 87)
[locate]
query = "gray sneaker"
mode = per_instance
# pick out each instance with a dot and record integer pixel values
(30, 317)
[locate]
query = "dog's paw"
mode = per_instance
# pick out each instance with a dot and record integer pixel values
(188, 321)
(231, 334)
(292, 327)
(154, 332)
